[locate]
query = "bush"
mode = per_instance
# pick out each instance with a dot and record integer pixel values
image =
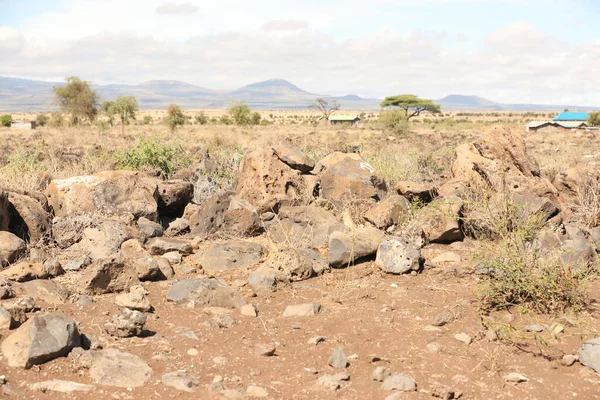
(174, 117)
(56, 120)
(147, 120)
(5, 120)
(201, 118)
(225, 120)
(241, 114)
(153, 154)
(41, 119)
(394, 121)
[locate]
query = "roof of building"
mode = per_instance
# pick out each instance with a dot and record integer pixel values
(538, 124)
(572, 116)
(571, 124)
(343, 117)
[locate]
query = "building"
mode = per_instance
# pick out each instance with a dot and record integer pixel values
(535, 126)
(572, 116)
(344, 119)
(23, 125)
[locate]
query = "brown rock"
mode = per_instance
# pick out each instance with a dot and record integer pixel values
(108, 276)
(350, 178)
(28, 217)
(173, 196)
(391, 211)
(425, 192)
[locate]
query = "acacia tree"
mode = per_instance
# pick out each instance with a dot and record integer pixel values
(125, 107)
(241, 114)
(174, 117)
(594, 118)
(325, 108)
(78, 99)
(411, 105)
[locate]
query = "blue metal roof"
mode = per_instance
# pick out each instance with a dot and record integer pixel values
(572, 116)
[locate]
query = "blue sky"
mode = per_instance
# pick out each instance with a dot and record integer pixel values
(505, 50)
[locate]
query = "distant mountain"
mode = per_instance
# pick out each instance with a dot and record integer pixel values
(457, 102)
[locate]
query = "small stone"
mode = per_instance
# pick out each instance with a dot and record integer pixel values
(302, 310)
(220, 361)
(266, 350)
(557, 329)
(434, 347)
(84, 300)
(77, 264)
(338, 359)
(316, 340)
(249, 310)
(180, 380)
(395, 396)
(192, 352)
(491, 335)
(534, 328)
(174, 257)
(514, 377)
(256, 391)
(380, 374)
(60, 386)
(126, 324)
(333, 382)
(569, 359)
(255, 372)
(224, 320)
(400, 382)
(443, 318)
(463, 337)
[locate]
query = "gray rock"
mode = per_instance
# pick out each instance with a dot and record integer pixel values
(60, 386)
(316, 340)
(292, 265)
(230, 255)
(174, 257)
(266, 350)
(12, 247)
(78, 263)
(173, 195)
(6, 319)
(165, 267)
(136, 299)
(534, 328)
(346, 248)
(589, 354)
(515, 377)
(398, 256)
(177, 226)
(443, 318)
(159, 246)
(44, 291)
(127, 323)
(111, 367)
(380, 374)
(180, 380)
(42, 338)
(149, 228)
(205, 292)
(262, 281)
(295, 159)
(302, 310)
(333, 382)
(224, 320)
(399, 382)
(109, 276)
(338, 359)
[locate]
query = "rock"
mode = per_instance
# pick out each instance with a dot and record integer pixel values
(349, 177)
(146, 267)
(569, 359)
(534, 328)
(209, 217)
(303, 226)
(180, 380)
(333, 382)
(84, 300)
(440, 220)
(136, 299)
(380, 374)
(127, 323)
(391, 211)
(395, 396)
(267, 183)
(60, 386)
(174, 257)
(491, 335)
(165, 267)
(110, 192)
(443, 318)
(78, 263)
(446, 257)
(397, 255)
(176, 227)
(266, 350)
(68, 230)
(337, 359)
(104, 240)
(256, 391)
(423, 192)
(292, 265)
(111, 367)
(11, 247)
(230, 255)
(463, 337)
(575, 182)
(46, 291)
(25, 271)
(38, 255)
(159, 246)
(28, 215)
(149, 228)
(224, 320)
(42, 338)
(249, 310)
(205, 292)
(346, 248)
(302, 310)
(400, 382)
(108, 276)
(589, 354)
(514, 377)
(173, 196)
(262, 282)
(6, 320)
(434, 347)
(295, 159)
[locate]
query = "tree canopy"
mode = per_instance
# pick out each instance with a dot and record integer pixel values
(241, 114)
(175, 117)
(594, 118)
(125, 107)
(411, 105)
(78, 99)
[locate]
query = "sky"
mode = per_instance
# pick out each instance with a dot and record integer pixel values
(511, 51)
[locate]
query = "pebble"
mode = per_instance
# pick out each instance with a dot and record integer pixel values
(316, 340)
(463, 337)
(338, 359)
(534, 328)
(380, 373)
(333, 382)
(266, 350)
(192, 352)
(569, 359)
(514, 377)
(491, 335)
(443, 318)
(256, 391)
(249, 310)
(434, 347)
(400, 382)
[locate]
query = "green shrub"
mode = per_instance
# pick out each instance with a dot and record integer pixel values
(41, 119)
(153, 154)
(174, 117)
(56, 120)
(147, 120)
(201, 118)
(394, 121)
(225, 120)
(5, 120)
(241, 114)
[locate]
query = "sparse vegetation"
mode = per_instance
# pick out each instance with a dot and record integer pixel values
(175, 117)
(151, 153)
(78, 99)
(410, 105)
(5, 120)
(594, 118)
(42, 119)
(241, 114)
(125, 107)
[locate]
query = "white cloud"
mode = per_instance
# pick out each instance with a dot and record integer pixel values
(177, 9)
(285, 25)
(11, 40)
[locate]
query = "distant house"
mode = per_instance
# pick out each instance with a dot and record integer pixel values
(572, 116)
(535, 126)
(338, 119)
(26, 125)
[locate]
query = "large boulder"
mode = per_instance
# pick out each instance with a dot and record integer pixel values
(112, 367)
(44, 291)
(413, 191)
(109, 276)
(267, 182)
(28, 215)
(294, 158)
(42, 338)
(173, 196)
(289, 265)
(440, 220)
(26, 271)
(346, 248)
(398, 256)
(11, 247)
(391, 211)
(205, 292)
(104, 240)
(230, 255)
(110, 192)
(589, 354)
(349, 177)
(578, 185)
